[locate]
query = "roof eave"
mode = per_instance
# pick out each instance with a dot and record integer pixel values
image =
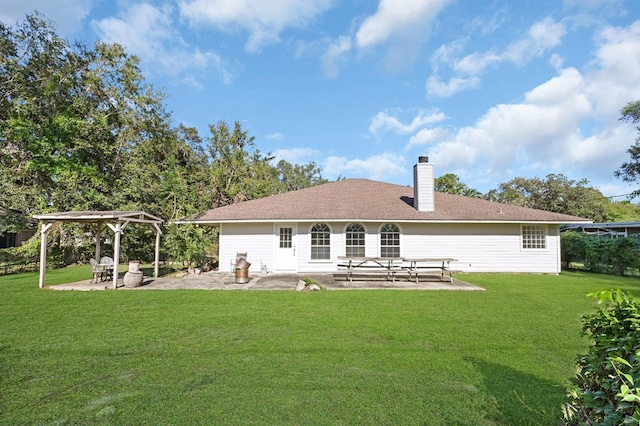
(444, 221)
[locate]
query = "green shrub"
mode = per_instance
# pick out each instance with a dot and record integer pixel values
(572, 247)
(606, 389)
(600, 253)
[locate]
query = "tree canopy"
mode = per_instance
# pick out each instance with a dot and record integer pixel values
(556, 193)
(629, 171)
(81, 129)
(451, 184)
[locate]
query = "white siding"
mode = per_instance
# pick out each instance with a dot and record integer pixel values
(478, 247)
(254, 239)
(482, 247)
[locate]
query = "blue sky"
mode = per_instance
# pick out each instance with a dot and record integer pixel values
(488, 90)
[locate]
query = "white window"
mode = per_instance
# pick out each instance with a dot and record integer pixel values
(320, 242)
(534, 237)
(389, 241)
(354, 244)
(286, 237)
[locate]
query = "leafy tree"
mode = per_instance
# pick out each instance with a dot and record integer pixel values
(293, 177)
(235, 163)
(239, 172)
(80, 129)
(191, 243)
(622, 211)
(629, 171)
(71, 118)
(556, 193)
(451, 184)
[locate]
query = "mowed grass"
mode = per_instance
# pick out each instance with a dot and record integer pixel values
(498, 357)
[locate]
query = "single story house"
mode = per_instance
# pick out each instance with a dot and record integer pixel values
(308, 230)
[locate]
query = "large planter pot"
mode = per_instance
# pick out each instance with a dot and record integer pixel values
(134, 276)
(134, 266)
(133, 279)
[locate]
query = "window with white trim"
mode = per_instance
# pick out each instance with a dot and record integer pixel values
(389, 240)
(320, 242)
(534, 237)
(286, 237)
(354, 240)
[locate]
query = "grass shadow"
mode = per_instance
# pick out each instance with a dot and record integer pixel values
(520, 398)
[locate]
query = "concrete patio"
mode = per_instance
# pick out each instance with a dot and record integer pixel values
(226, 281)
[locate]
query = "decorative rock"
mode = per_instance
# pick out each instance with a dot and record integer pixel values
(302, 286)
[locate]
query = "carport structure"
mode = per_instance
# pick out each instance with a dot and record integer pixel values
(115, 220)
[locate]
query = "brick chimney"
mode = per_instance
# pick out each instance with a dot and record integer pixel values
(423, 185)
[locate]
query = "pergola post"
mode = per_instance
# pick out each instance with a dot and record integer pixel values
(156, 260)
(116, 253)
(43, 252)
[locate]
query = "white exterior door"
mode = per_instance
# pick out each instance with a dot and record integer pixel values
(285, 252)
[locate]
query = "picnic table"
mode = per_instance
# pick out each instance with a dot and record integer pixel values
(392, 267)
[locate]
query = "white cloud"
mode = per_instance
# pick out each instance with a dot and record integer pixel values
(427, 136)
(381, 167)
(615, 80)
(149, 33)
(604, 147)
(538, 131)
(383, 121)
(569, 124)
(264, 20)
(395, 17)
(608, 6)
(277, 136)
(438, 88)
(556, 61)
(406, 22)
(334, 56)
(67, 23)
(295, 155)
(476, 63)
(542, 37)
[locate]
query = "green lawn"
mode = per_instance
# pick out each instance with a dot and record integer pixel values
(496, 357)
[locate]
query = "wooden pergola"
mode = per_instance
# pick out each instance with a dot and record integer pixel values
(115, 220)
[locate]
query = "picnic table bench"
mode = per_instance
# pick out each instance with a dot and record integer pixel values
(426, 266)
(391, 268)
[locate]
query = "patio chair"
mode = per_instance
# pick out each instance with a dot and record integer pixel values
(107, 267)
(97, 271)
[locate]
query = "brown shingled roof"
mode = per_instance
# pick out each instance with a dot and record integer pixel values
(367, 200)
